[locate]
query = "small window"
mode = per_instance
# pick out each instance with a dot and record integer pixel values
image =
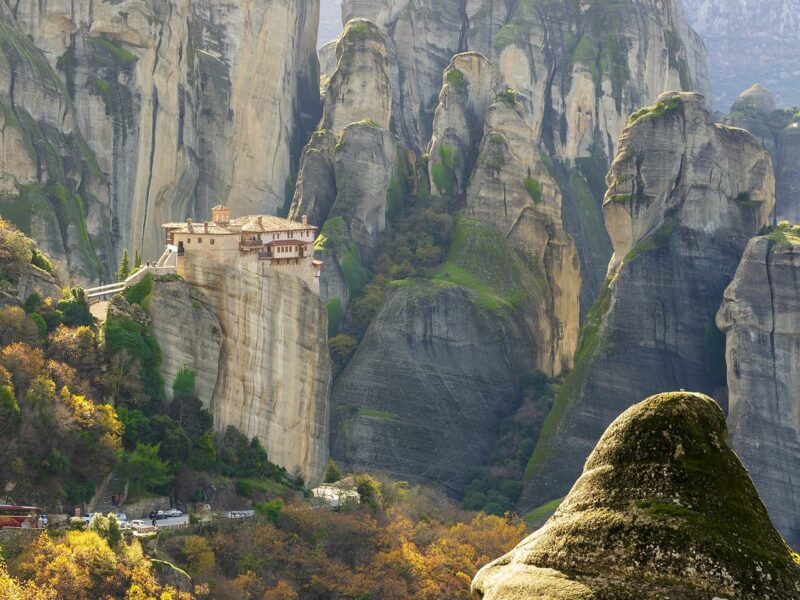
(189, 241)
(199, 240)
(212, 241)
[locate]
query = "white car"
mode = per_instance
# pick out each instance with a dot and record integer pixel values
(173, 512)
(138, 524)
(121, 517)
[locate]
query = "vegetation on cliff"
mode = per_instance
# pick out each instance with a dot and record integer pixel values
(78, 400)
(661, 480)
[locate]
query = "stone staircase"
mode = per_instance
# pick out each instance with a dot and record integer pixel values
(112, 485)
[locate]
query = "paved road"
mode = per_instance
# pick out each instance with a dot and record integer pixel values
(174, 522)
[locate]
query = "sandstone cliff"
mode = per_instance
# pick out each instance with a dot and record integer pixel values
(760, 317)
(778, 130)
(184, 104)
(508, 290)
(257, 343)
(750, 41)
(351, 161)
(685, 196)
(513, 190)
(664, 509)
(607, 60)
(50, 182)
(428, 387)
(190, 335)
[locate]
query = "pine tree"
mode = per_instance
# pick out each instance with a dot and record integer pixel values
(124, 266)
(137, 260)
(332, 473)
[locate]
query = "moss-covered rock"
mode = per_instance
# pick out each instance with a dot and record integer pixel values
(664, 509)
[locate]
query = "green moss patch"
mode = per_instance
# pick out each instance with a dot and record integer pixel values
(335, 240)
(590, 344)
(376, 414)
(659, 109)
(785, 234)
(481, 260)
(538, 516)
(653, 242)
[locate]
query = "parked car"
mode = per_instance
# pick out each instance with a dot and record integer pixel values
(173, 512)
(124, 525)
(138, 524)
(121, 517)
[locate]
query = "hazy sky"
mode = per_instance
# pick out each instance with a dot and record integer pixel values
(330, 20)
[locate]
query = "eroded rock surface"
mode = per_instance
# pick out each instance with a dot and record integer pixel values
(778, 129)
(257, 340)
(51, 185)
(685, 197)
(663, 509)
(761, 317)
(351, 161)
(190, 335)
(427, 389)
(183, 104)
(591, 94)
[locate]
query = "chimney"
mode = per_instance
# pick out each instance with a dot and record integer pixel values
(305, 219)
(189, 224)
(206, 226)
(261, 221)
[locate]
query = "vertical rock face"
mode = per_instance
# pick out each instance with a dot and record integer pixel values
(511, 189)
(760, 317)
(258, 344)
(427, 388)
(471, 86)
(190, 335)
(580, 69)
(52, 187)
(685, 196)
(185, 104)
(350, 162)
(779, 131)
(749, 41)
(664, 509)
(508, 293)
(359, 89)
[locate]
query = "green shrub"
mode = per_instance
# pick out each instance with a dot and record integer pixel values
(455, 78)
(144, 470)
(40, 323)
(9, 408)
(510, 96)
(138, 293)
(39, 260)
(332, 472)
(123, 334)
(369, 490)
(32, 302)
(342, 347)
(270, 510)
(244, 488)
(335, 314)
(534, 189)
(74, 308)
(184, 384)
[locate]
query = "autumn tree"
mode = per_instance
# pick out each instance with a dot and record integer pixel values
(16, 326)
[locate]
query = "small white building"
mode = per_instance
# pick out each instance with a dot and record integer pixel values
(279, 243)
